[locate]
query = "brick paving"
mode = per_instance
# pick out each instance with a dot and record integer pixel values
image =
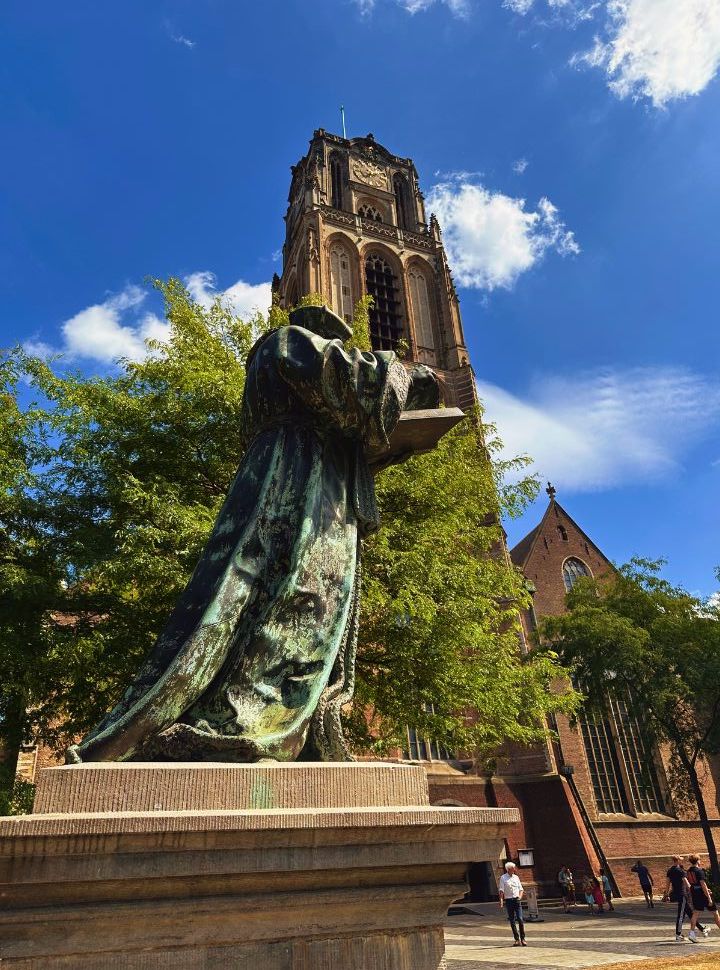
(576, 940)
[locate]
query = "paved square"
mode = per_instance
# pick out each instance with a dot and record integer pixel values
(576, 940)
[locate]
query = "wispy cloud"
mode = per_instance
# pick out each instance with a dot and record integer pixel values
(606, 428)
(460, 8)
(185, 41)
(120, 325)
(492, 238)
(520, 165)
(178, 38)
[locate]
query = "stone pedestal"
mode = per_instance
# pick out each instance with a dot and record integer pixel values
(235, 867)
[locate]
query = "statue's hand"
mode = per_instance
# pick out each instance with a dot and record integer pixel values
(424, 389)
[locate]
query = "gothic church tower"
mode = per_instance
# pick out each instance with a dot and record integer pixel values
(356, 225)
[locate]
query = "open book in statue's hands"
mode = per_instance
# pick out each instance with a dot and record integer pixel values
(415, 432)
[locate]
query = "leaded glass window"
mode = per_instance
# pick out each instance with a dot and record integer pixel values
(420, 748)
(381, 284)
(574, 569)
(636, 751)
(608, 788)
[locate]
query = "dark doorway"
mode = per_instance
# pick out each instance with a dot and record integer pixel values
(481, 883)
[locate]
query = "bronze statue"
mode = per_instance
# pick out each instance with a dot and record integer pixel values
(257, 658)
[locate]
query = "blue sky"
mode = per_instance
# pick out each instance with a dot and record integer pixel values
(569, 147)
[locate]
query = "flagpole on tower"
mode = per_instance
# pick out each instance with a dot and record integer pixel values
(342, 115)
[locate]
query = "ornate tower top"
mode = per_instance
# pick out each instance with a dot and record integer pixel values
(355, 226)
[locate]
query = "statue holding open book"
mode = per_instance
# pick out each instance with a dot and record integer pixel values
(257, 659)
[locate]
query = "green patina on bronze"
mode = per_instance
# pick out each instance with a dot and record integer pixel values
(257, 658)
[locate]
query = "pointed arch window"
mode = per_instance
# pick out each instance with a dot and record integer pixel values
(574, 569)
(382, 285)
(291, 294)
(402, 202)
(336, 181)
(341, 282)
(422, 315)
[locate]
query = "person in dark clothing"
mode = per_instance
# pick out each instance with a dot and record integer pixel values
(646, 882)
(700, 896)
(677, 890)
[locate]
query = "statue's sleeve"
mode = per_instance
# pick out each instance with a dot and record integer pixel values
(359, 392)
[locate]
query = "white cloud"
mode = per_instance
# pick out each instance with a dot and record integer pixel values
(655, 49)
(119, 326)
(181, 39)
(659, 49)
(606, 428)
(520, 165)
(98, 332)
(245, 299)
(492, 238)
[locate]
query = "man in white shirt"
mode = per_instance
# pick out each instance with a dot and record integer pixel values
(511, 894)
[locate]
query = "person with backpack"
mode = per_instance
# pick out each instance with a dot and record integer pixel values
(677, 890)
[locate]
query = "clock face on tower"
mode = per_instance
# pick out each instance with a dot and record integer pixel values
(369, 173)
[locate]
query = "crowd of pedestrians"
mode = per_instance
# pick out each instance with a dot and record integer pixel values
(687, 887)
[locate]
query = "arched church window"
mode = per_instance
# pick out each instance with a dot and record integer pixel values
(563, 533)
(291, 294)
(369, 212)
(420, 300)
(574, 569)
(402, 202)
(341, 282)
(382, 285)
(336, 181)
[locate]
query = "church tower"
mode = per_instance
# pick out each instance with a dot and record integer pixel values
(356, 225)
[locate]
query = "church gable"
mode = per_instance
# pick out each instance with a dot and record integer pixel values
(554, 555)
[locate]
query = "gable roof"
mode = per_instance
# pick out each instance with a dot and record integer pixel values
(521, 553)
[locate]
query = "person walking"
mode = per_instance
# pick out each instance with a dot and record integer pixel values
(646, 882)
(567, 887)
(607, 888)
(677, 890)
(701, 898)
(511, 894)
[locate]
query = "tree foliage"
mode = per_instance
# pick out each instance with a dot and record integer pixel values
(637, 633)
(112, 484)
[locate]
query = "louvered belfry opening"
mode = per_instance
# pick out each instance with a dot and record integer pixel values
(336, 181)
(381, 284)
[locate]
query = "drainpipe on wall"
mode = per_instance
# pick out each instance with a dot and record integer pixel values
(567, 771)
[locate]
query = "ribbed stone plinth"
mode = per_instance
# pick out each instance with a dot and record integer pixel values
(198, 786)
(235, 867)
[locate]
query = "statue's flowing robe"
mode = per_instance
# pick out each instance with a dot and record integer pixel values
(257, 654)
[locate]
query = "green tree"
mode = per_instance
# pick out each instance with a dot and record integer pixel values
(638, 634)
(114, 484)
